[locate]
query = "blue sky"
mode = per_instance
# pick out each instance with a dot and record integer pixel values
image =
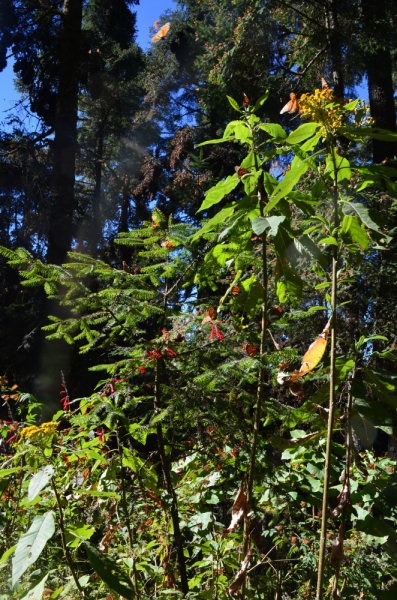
(147, 13)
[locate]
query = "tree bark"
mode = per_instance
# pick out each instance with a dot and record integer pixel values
(378, 65)
(335, 47)
(65, 141)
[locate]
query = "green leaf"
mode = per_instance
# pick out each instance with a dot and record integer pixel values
(288, 283)
(218, 141)
(328, 240)
(100, 494)
(342, 165)
(79, 529)
(242, 133)
(322, 286)
(373, 132)
(261, 101)
(31, 544)
(217, 193)
(374, 529)
(364, 430)
(39, 481)
(37, 590)
(359, 235)
(260, 224)
(220, 217)
(283, 188)
(381, 389)
(302, 133)
(234, 104)
(351, 105)
(318, 189)
(275, 130)
(110, 572)
(366, 215)
(5, 472)
(373, 412)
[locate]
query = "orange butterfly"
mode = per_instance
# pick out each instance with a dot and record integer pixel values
(277, 310)
(324, 84)
(161, 33)
(156, 25)
(210, 314)
(167, 245)
(240, 171)
(291, 106)
(235, 290)
(249, 349)
(246, 100)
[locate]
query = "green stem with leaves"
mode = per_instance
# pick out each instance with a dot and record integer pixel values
(332, 381)
(259, 395)
(63, 538)
(126, 512)
(166, 469)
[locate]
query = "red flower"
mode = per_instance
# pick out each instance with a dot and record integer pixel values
(142, 369)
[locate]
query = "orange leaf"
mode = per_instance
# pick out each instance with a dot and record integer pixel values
(314, 354)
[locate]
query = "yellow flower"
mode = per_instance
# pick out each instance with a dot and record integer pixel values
(39, 434)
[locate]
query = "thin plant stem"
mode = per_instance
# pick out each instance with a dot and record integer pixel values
(63, 538)
(327, 468)
(349, 441)
(259, 395)
(166, 469)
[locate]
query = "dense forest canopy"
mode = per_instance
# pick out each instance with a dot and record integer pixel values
(198, 302)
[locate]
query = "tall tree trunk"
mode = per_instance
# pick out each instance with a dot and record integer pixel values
(65, 142)
(378, 65)
(334, 47)
(94, 234)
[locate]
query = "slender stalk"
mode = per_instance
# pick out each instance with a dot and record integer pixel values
(63, 538)
(327, 469)
(127, 515)
(259, 394)
(349, 441)
(166, 469)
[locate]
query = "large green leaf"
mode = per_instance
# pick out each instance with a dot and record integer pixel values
(260, 224)
(366, 215)
(342, 166)
(288, 283)
(35, 592)
(302, 133)
(364, 430)
(383, 390)
(261, 101)
(374, 530)
(39, 481)
(286, 185)
(359, 235)
(217, 193)
(110, 572)
(373, 412)
(275, 130)
(373, 132)
(31, 544)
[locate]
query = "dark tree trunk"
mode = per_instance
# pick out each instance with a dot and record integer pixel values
(125, 206)
(334, 47)
(65, 142)
(94, 234)
(378, 65)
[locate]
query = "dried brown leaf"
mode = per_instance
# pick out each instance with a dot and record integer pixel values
(235, 586)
